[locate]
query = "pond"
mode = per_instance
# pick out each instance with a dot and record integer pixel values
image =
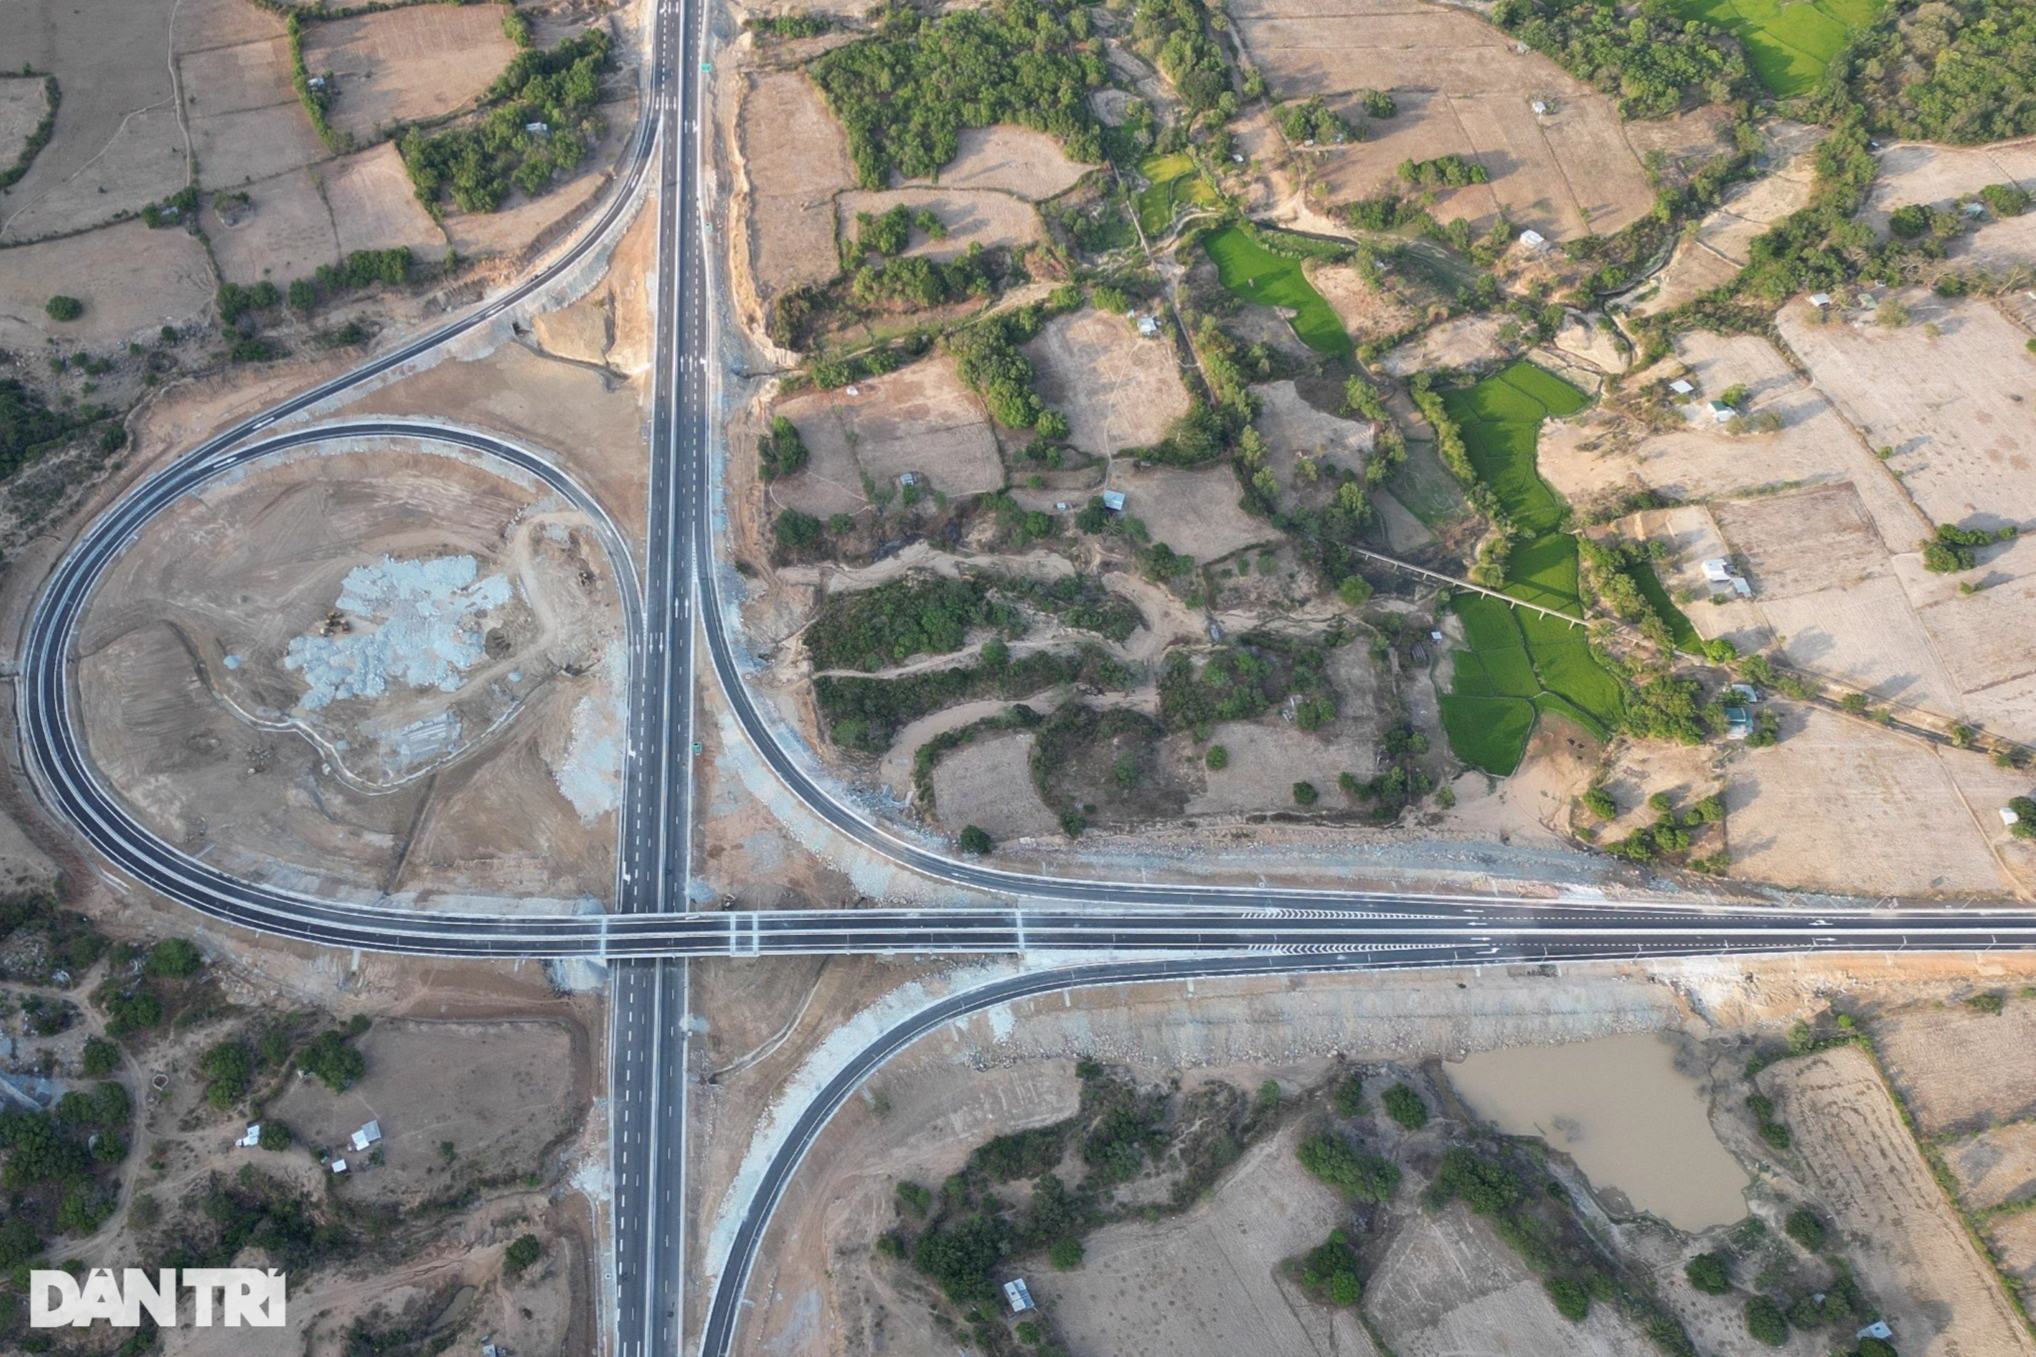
(1637, 1126)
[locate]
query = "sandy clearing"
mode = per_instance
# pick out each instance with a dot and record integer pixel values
(1961, 1070)
(374, 206)
(989, 784)
(1197, 512)
(795, 158)
(132, 280)
(972, 217)
(1011, 158)
(1463, 342)
(1208, 1281)
(1960, 418)
(288, 234)
(22, 105)
(1117, 389)
(1906, 1240)
(1842, 805)
(402, 65)
(1268, 757)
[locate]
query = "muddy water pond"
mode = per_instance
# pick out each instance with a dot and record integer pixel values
(1636, 1125)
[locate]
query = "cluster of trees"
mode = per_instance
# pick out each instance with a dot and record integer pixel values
(333, 1059)
(796, 23)
(781, 452)
(1654, 59)
(890, 232)
(1244, 680)
(873, 629)
(865, 713)
(1444, 171)
(29, 428)
(921, 283)
(540, 121)
(1357, 1175)
(1401, 783)
(988, 360)
(1820, 245)
(134, 1004)
(1960, 71)
(1769, 1127)
(1329, 1271)
(905, 94)
(1671, 831)
(1953, 548)
(1314, 120)
(1175, 35)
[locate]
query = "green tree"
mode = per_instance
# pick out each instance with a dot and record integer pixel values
(521, 1254)
(1765, 1321)
(1305, 794)
(1348, 1099)
(333, 1060)
(229, 1065)
(1065, 1254)
(101, 1057)
(1218, 758)
(974, 840)
(63, 308)
(1572, 1301)
(1599, 802)
(1806, 1228)
(1405, 1106)
(1708, 1273)
(174, 958)
(1357, 1175)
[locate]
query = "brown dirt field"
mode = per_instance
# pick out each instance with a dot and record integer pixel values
(989, 783)
(1117, 390)
(22, 104)
(1565, 173)
(1014, 159)
(1997, 1165)
(237, 149)
(1191, 511)
(239, 77)
(1293, 429)
(1463, 342)
(375, 208)
(1840, 804)
(2014, 1241)
(1208, 1281)
(1916, 172)
(1961, 1070)
(1366, 312)
(214, 751)
(1959, 418)
(287, 235)
(971, 216)
(500, 1092)
(1906, 1240)
(130, 278)
(795, 159)
(402, 65)
(919, 419)
(116, 143)
(1268, 757)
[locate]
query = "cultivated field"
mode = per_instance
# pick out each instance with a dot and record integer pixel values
(1118, 390)
(1367, 312)
(368, 670)
(374, 206)
(1911, 1251)
(402, 65)
(1463, 342)
(287, 233)
(501, 1092)
(989, 784)
(1191, 511)
(1961, 1070)
(919, 419)
(795, 159)
(1995, 1166)
(1011, 159)
(972, 217)
(247, 125)
(23, 102)
(130, 278)
(1463, 88)
(1841, 805)
(1788, 45)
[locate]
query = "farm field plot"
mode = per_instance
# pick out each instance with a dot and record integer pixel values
(1917, 172)
(1173, 185)
(1961, 1070)
(1258, 275)
(130, 278)
(402, 65)
(1117, 389)
(23, 102)
(795, 159)
(1462, 88)
(1010, 159)
(1788, 44)
(983, 217)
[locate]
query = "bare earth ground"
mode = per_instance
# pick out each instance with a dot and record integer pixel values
(1014, 159)
(374, 206)
(287, 233)
(131, 279)
(1912, 172)
(972, 217)
(22, 105)
(1461, 87)
(116, 143)
(1908, 1243)
(1961, 1070)
(989, 783)
(1719, 249)
(1463, 342)
(919, 419)
(402, 65)
(794, 160)
(1195, 512)
(1842, 805)
(1294, 429)
(1995, 1166)
(1366, 312)
(183, 651)
(1117, 390)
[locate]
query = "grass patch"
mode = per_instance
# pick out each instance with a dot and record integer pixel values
(1174, 183)
(1256, 274)
(1788, 44)
(1522, 663)
(1679, 628)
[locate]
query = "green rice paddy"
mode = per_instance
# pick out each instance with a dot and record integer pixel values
(1173, 182)
(1519, 664)
(1256, 274)
(1680, 629)
(1788, 42)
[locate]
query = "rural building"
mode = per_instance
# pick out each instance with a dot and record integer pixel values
(1683, 387)
(1540, 107)
(1533, 240)
(1113, 500)
(1820, 300)
(1718, 570)
(1019, 1294)
(1721, 412)
(2009, 817)
(1148, 326)
(1738, 723)
(366, 1136)
(339, 1166)
(251, 1139)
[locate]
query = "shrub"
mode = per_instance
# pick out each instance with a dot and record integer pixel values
(1405, 1106)
(1359, 1176)
(101, 1057)
(1218, 758)
(61, 307)
(915, 1198)
(1765, 1321)
(1806, 1228)
(1305, 794)
(1572, 1302)
(794, 529)
(1348, 1100)
(174, 958)
(1065, 1254)
(974, 841)
(1599, 802)
(1708, 1273)
(521, 1254)
(2006, 200)
(781, 452)
(1329, 1271)
(333, 1060)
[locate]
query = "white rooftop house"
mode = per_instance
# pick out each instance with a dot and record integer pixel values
(251, 1139)
(1722, 412)
(1533, 239)
(1148, 326)
(2009, 817)
(1683, 387)
(366, 1136)
(538, 129)
(1974, 209)
(1113, 500)
(1820, 300)
(1718, 570)
(1540, 107)
(1019, 1295)
(339, 1166)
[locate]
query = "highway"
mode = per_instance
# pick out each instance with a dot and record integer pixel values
(1117, 931)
